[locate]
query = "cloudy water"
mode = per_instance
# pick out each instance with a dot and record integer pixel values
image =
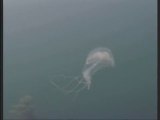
(48, 40)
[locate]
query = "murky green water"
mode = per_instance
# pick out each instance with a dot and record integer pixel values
(43, 39)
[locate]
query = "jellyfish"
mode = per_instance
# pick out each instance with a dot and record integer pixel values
(96, 60)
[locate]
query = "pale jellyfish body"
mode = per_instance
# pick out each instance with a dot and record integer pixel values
(96, 60)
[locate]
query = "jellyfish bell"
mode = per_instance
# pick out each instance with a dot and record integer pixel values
(103, 55)
(96, 60)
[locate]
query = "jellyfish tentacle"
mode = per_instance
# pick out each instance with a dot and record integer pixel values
(58, 87)
(78, 84)
(71, 82)
(66, 89)
(79, 90)
(82, 88)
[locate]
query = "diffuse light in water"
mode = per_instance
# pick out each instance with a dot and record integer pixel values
(96, 60)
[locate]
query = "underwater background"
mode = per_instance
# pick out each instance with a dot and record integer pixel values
(46, 38)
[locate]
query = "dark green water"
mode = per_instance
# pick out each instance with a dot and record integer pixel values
(43, 39)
